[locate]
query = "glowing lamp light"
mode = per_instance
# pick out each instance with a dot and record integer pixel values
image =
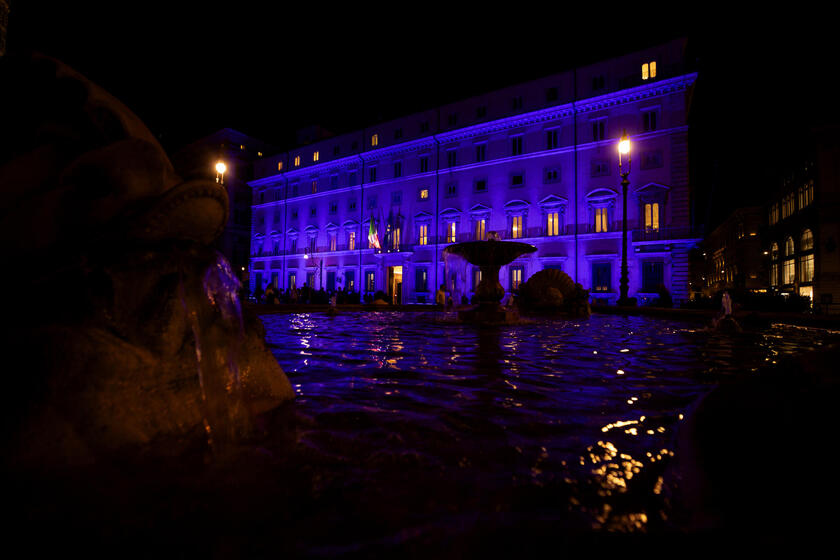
(221, 167)
(624, 146)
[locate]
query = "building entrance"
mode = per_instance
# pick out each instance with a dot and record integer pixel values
(395, 274)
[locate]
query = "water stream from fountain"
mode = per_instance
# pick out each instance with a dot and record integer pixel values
(215, 316)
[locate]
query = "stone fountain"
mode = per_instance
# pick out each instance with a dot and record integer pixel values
(489, 256)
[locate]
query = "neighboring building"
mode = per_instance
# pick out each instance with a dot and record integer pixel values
(535, 162)
(804, 230)
(238, 151)
(733, 254)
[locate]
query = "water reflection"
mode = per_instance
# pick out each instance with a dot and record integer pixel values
(429, 423)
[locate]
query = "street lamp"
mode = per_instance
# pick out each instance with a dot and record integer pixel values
(220, 172)
(624, 171)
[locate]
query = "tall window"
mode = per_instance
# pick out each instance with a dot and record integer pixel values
(516, 273)
(516, 227)
(313, 244)
(370, 281)
(649, 70)
(424, 193)
(601, 219)
(553, 223)
(395, 238)
(374, 140)
(351, 241)
(649, 121)
(316, 156)
(292, 280)
(480, 152)
(297, 161)
(774, 213)
(424, 164)
(479, 230)
(806, 260)
(598, 130)
(372, 174)
(516, 146)
(774, 265)
(652, 216)
(293, 245)
(451, 232)
(421, 280)
(423, 236)
(806, 194)
(551, 139)
(333, 241)
(476, 278)
(451, 158)
(600, 277)
(397, 169)
(314, 186)
(789, 264)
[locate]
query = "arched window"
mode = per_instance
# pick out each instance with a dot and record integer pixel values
(789, 247)
(774, 265)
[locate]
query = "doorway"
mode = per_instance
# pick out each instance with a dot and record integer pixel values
(395, 275)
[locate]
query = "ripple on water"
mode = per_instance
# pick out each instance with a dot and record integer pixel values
(423, 421)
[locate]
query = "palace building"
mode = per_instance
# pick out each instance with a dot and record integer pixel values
(535, 162)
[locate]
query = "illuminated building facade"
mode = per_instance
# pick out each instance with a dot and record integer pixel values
(535, 162)
(803, 230)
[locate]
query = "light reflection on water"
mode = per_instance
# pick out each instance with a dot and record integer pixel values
(431, 423)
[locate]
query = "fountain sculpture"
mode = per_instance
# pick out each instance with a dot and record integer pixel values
(489, 256)
(127, 328)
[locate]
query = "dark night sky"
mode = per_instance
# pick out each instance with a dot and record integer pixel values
(189, 68)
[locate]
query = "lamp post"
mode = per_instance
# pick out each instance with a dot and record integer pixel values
(624, 171)
(220, 172)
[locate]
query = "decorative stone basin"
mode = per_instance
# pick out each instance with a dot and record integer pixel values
(489, 256)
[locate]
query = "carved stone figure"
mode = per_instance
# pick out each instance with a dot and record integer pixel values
(127, 326)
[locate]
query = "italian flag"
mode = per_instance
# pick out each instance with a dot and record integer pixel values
(373, 237)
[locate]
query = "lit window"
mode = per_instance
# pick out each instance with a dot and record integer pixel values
(332, 241)
(374, 140)
(649, 70)
(423, 238)
(279, 166)
(297, 161)
(789, 264)
(351, 241)
(370, 281)
(316, 156)
(395, 238)
(314, 186)
(553, 224)
(601, 217)
(451, 232)
(806, 194)
(479, 230)
(424, 194)
(515, 277)
(651, 216)
(259, 154)
(241, 146)
(806, 268)
(516, 227)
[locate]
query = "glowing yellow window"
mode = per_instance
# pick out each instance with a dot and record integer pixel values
(297, 161)
(279, 166)
(316, 156)
(450, 232)
(424, 194)
(374, 140)
(395, 237)
(652, 217)
(553, 223)
(479, 230)
(351, 241)
(649, 70)
(516, 227)
(424, 235)
(601, 220)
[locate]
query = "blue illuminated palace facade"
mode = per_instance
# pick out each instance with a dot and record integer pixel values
(535, 162)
